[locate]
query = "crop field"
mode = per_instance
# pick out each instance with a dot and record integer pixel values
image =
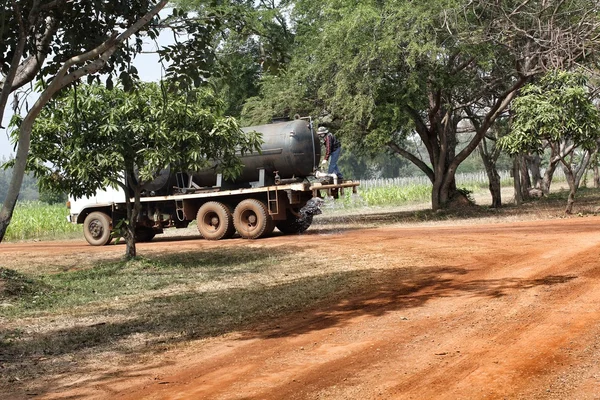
(37, 220)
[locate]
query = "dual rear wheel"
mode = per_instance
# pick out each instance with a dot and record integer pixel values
(250, 219)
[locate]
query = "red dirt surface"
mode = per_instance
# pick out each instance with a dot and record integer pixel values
(501, 311)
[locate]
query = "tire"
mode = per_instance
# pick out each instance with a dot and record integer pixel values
(215, 221)
(144, 235)
(252, 220)
(97, 228)
(292, 225)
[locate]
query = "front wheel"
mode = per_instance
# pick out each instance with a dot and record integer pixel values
(97, 228)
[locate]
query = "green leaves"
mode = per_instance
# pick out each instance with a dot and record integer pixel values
(110, 132)
(558, 108)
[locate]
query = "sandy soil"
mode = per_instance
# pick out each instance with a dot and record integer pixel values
(501, 311)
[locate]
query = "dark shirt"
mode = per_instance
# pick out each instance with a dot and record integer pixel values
(331, 144)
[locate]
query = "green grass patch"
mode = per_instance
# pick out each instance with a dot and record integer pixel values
(390, 195)
(37, 220)
(31, 294)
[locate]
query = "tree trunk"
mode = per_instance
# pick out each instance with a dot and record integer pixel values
(572, 189)
(525, 179)
(517, 181)
(444, 193)
(129, 236)
(547, 181)
(495, 187)
(18, 171)
(494, 183)
(436, 203)
(133, 212)
(594, 163)
(582, 167)
(574, 176)
(534, 163)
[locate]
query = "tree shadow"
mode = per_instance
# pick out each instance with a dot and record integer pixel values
(325, 300)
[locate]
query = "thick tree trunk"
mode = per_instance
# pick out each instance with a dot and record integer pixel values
(534, 163)
(495, 187)
(494, 183)
(547, 181)
(436, 203)
(525, 179)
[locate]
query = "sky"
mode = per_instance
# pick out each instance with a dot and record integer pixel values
(148, 67)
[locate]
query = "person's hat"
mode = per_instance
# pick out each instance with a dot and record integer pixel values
(322, 131)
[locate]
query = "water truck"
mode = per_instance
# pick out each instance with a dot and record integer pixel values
(279, 187)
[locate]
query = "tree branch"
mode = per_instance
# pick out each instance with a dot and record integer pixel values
(412, 158)
(12, 72)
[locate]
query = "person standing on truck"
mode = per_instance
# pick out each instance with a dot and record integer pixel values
(333, 148)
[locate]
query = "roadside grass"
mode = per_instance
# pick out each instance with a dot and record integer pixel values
(38, 220)
(34, 294)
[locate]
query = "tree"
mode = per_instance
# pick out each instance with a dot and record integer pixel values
(490, 152)
(557, 111)
(84, 37)
(94, 137)
(255, 38)
(383, 70)
(89, 38)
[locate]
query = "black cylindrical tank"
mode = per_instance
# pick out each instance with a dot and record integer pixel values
(291, 148)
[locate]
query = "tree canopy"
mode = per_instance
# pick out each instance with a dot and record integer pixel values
(92, 137)
(33, 30)
(556, 111)
(383, 71)
(61, 42)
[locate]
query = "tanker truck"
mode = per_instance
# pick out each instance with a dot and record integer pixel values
(279, 187)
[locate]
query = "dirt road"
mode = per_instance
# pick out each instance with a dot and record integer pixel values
(506, 311)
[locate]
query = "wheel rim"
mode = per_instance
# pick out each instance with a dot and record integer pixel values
(96, 228)
(249, 219)
(212, 221)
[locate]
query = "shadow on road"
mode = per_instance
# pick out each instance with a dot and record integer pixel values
(324, 300)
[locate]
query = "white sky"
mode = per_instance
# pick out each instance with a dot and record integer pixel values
(148, 67)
